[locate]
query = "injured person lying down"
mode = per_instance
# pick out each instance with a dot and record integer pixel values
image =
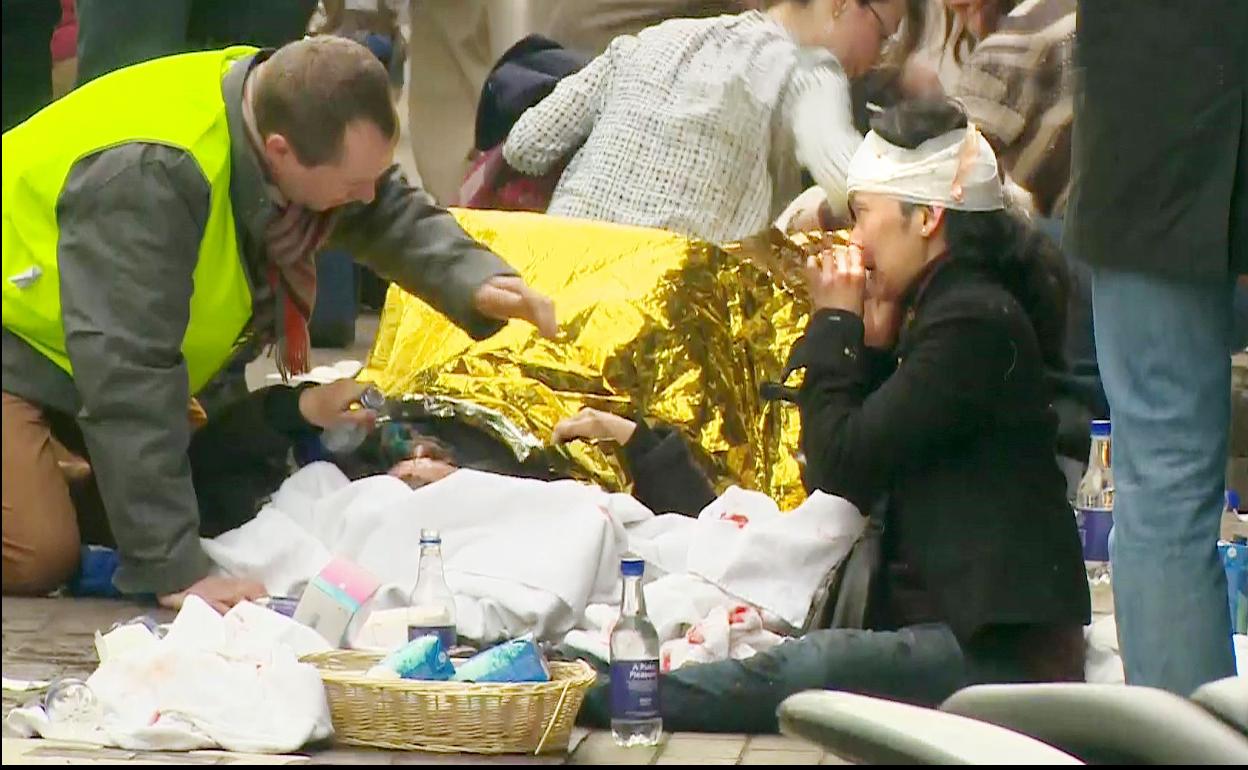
(526, 548)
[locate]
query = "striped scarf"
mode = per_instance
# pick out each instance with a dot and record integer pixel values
(292, 237)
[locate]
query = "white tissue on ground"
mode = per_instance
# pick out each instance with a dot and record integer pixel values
(232, 682)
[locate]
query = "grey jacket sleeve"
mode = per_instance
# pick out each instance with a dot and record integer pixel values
(131, 219)
(407, 238)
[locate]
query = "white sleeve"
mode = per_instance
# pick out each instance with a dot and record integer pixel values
(812, 198)
(556, 126)
(818, 111)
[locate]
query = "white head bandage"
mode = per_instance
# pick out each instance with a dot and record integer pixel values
(957, 170)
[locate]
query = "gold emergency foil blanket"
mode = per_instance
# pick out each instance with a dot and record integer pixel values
(651, 323)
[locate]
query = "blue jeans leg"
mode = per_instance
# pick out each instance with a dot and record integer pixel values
(918, 664)
(1162, 347)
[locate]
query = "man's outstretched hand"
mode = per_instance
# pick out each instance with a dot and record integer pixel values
(221, 593)
(507, 296)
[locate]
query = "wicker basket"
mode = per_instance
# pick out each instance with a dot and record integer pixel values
(451, 717)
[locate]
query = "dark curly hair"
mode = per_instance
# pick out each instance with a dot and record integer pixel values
(1003, 243)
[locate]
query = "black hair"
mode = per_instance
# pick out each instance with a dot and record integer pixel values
(1002, 243)
(912, 122)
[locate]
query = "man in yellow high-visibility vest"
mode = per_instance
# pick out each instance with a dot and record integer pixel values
(159, 223)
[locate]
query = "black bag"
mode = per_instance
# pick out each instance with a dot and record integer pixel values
(843, 599)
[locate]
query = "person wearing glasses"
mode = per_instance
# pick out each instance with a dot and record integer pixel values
(704, 126)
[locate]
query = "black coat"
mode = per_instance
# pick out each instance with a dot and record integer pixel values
(1160, 143)
(954, 436)
(666, 477)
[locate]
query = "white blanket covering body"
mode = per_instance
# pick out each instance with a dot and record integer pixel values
(523, 555)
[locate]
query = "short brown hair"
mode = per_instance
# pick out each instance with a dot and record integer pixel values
(310, 90)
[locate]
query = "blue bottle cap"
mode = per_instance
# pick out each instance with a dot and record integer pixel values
(430, 537)
(1100, 428)
(631, 566)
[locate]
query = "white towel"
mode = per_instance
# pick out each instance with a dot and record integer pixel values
(230, 682)
(520, 555)
(527, 556)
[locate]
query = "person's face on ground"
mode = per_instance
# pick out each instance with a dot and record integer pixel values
(430, 461)
(366, 154)
(894, 248)
(419, 471)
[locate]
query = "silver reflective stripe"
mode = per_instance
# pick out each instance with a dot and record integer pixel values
(27, 277)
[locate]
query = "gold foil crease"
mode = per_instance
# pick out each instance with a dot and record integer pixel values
(652, 323)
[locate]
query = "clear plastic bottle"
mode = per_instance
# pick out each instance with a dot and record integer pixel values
(72, 708)
(1094, 512)
(635, 719)
(431, 609)
(346, 437)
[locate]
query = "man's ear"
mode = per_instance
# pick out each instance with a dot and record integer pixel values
(277, 147)
(930, 219)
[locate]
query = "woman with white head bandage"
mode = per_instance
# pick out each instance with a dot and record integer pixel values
(925, 404)
(925, 387)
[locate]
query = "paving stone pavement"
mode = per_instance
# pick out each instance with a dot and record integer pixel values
(47, 638)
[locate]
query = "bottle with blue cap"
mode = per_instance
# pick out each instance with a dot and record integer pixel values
(431, 608)
(635, 719)
(1094, 512)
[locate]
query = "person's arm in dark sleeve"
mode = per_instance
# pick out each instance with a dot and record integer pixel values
(280, 410)
(131, 220)
(252, 429)
(856, 438)
(666, 477)
(407, 238)
(880, 366)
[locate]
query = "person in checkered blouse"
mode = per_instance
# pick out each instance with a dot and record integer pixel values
(703, 126)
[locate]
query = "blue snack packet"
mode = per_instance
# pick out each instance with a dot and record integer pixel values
(516, 661)
(422, 658)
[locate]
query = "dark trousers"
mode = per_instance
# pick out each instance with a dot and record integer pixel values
(27, 56)
(918, 664)
(117, 33)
